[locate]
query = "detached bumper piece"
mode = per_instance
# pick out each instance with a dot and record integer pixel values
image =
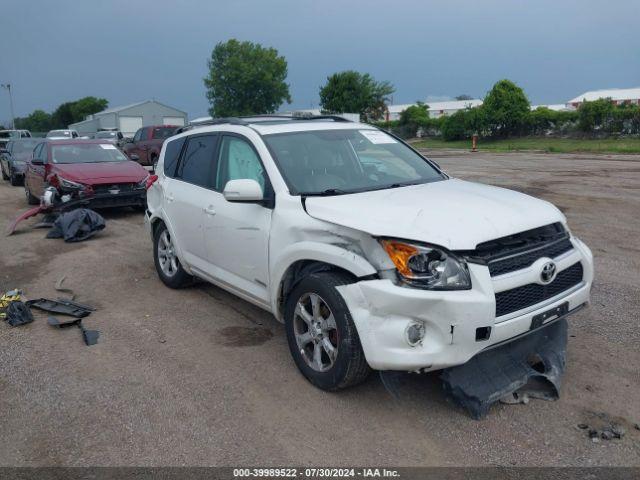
(534, 363)
(64, 307)
(90, 337)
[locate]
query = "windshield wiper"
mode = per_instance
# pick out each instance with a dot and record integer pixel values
(324, 193)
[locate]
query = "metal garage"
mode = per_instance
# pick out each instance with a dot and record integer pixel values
(129, 118)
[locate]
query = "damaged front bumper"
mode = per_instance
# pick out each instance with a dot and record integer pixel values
(457, 325)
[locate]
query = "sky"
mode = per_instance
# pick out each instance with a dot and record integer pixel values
(133, 50)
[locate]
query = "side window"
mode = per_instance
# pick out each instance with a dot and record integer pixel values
(136, 137)
(74, 134)
(37, 152)
(238, 160)
(197, 164)
(9, 147)
(171, 156)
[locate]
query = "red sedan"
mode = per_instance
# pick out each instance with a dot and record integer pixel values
(94, 170)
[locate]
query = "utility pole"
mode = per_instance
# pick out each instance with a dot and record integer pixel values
(8, 87)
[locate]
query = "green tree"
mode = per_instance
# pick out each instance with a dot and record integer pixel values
(37, 121)
(81, 109)
(76, 111)
(463, 124)
(413, 118)
(464, 96)
(354, 92)
(595, 115)
(506, 109)
(245, 79)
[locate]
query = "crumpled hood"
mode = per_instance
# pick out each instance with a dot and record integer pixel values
(455, 214)
(100, 173)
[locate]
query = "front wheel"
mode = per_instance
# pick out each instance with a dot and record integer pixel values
(31, 200)
(322, 337)
(15, 180)
(166, 260)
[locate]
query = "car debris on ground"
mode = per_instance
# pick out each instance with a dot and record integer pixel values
(529, 367)
(65, 215)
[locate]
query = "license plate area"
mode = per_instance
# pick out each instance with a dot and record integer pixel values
(540, 319)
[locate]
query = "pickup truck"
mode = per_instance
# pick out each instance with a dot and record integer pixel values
(147, 143)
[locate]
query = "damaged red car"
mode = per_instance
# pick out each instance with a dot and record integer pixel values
(93, 170)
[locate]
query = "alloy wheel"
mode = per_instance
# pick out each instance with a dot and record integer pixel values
(167, 255)
(316, 332)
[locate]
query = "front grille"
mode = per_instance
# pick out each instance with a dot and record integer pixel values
(531, 294)
(526, 259)
(123, 187)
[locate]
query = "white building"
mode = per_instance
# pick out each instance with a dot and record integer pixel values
(129, 118)
(617, 95)
(558, 107)
(436, 109)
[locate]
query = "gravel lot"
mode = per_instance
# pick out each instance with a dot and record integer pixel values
(199, 377)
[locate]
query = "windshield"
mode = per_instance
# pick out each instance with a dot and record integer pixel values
(9, 134)
(59, 133)
(163, 132)
(24, 146)
(329, 162)
(86, 153)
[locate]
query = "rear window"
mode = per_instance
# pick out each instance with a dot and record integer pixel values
(171, 155)
(163, 132)
(59, 133)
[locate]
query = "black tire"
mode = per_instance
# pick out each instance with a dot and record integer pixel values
(15, 180)
(179, 278)
(31, 200)
(350, 366)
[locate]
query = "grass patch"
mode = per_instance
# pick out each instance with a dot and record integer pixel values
(552, 145)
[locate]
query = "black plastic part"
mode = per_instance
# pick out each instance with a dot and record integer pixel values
(483, 333)
(56, 322)
(90, 337)
(499, 372)
(61, 306)
(17, 313)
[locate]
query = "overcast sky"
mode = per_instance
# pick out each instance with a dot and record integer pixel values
(127, 51)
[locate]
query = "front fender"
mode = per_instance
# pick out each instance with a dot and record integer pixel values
(314, 251)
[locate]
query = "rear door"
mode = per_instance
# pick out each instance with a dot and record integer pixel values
(185, 195)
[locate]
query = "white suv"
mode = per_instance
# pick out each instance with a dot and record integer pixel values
(371, 256)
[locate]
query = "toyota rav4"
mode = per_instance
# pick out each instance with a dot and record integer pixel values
(370, 254)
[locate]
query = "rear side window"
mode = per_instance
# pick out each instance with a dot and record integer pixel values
(163, 132)
(197, 164)
(171, 155)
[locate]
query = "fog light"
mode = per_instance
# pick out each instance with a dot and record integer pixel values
(415, 333)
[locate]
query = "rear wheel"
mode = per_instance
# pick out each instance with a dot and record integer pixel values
(322, 337)
(31, 200)
(166, 260)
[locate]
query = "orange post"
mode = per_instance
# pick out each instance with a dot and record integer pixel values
(474, 143)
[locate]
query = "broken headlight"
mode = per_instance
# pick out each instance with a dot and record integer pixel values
(68, 184)
(427, 267)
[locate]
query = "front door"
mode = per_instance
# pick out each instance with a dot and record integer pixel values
(237, 234)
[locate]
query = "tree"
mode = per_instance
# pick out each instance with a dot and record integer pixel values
(81, 109)
(76, 111)
(37, 121)
(464, 96)
(594, 115)
(414, 118)
(245, 79)
(506, 109)
(463, 124)
(354, 92)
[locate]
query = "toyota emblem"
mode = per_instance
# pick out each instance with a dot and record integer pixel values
(548, 272)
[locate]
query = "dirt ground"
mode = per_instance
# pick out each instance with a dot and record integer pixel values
(199, 377)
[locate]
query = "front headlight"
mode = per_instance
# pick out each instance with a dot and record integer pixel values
(427, 266)
(64, 183)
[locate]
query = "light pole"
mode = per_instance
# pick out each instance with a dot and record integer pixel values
(8, 87)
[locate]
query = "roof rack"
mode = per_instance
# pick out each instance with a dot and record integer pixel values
(247, 120)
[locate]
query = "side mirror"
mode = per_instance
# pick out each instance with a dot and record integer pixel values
(243, 190)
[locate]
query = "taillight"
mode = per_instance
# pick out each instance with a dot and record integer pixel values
(151, 179)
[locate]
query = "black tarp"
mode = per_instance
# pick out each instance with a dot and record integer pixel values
(77, 225)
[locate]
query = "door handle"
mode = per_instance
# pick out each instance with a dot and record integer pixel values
(209, 210)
